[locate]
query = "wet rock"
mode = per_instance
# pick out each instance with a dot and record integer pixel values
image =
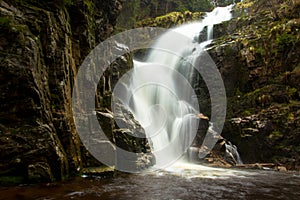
(40, 172)
(261, 166)
(42, 47)
(202, 130)
(202, 35)
(144, 161)
(23, 147)
(99, 171)
(124, 138)
(281, 169)
(131, 137)
(223, 154)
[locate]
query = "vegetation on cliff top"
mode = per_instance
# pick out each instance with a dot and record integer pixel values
(171, 19)
(139, 10)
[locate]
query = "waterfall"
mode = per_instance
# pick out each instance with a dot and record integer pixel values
(232, 153)
(218, 15)
(165, 107)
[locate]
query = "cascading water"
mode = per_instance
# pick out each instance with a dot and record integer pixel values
(161, 108)
(231, 151)
(218, 15)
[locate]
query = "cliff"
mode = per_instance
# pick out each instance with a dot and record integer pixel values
(42, 45)
(257, 54)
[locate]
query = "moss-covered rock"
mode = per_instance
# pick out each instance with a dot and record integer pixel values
(257, 57)
(171, 19)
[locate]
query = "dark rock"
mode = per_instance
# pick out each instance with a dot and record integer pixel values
(40, 172)
(131, 137)
(42, 46)
(203, 35)
(223, 154)
(123, 134)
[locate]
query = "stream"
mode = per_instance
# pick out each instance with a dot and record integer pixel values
(181, 181)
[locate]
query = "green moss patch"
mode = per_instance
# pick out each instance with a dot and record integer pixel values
(171, 19)
(11, 180)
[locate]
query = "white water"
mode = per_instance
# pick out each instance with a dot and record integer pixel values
(164, 107)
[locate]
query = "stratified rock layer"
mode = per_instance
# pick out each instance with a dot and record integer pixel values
(42, 47)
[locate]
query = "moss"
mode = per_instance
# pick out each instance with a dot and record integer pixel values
(285, 40)
(46, 4)
(11, 180)
(238, 92)
(89, 4)
(18, 28)
(247, 113)
(275, 134)
(68, 2)
(254, 93)
(291, 117)
(8, 25)
(171, 19)
(99, 171)
(244, 4)
(291, 91)
(260, 51)
(5, 22)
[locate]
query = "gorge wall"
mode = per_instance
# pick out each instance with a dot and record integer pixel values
(42, 45)
(258, 56)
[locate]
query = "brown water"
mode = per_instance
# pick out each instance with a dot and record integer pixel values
(183, 181)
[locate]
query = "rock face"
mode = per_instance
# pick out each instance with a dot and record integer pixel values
(257, 57)
(124, 132)
(42, 46)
